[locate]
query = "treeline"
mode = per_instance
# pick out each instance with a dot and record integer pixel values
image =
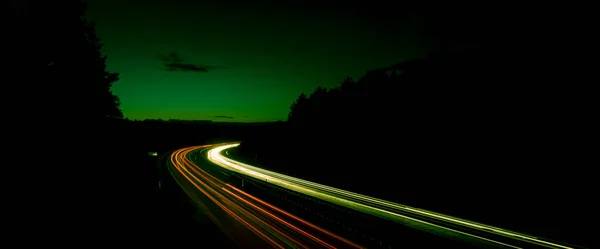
(446, 109)
(87, 165)
(469, 134)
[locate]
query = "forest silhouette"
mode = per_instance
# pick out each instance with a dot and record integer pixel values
(86, 172)
(470, 132)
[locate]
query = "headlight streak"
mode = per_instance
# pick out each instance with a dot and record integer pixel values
(364, 203)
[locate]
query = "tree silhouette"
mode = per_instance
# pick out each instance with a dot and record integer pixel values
(102, 79)
(298, 109)
(60, 62)
(438, 106)
(97, 81)
(61, 101)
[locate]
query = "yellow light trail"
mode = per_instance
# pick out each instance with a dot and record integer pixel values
(366, 204)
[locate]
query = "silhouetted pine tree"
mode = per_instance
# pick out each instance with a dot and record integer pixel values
(57, 63)
(58, 101)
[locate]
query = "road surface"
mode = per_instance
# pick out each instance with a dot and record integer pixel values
(435, 223)
(248, 220)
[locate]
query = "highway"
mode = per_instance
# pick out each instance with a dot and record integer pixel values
(246, 219)
(258, 208)
(434, 223)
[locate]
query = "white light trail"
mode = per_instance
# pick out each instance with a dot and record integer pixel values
(363, 203)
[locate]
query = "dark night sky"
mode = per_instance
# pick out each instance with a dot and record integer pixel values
(264, 54)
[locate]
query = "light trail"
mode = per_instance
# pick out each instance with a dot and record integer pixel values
(294, 217)
(374, 206)
(263, 222)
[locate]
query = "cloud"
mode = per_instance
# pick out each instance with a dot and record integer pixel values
(173, 62)
(230, 117)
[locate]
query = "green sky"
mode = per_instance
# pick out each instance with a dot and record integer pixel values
(265, 56)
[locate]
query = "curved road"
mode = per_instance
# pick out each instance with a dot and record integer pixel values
(254, 223)
(248, 220)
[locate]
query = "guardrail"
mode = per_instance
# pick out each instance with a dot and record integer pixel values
(414, 217)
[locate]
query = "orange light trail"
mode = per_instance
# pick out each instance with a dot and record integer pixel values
(282, 221)
(223, 207)
(350, 243)
(248, 214)
(274, 228)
